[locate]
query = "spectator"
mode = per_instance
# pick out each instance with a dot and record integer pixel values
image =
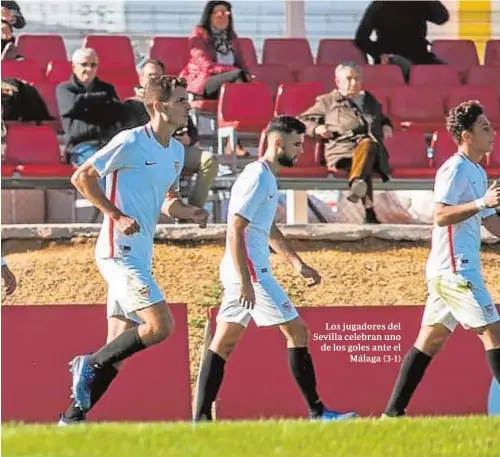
(9, 51)
(401, 29)
(199, 162)
(11, 12)
(215, 55)
(91, 113)
(351, 124)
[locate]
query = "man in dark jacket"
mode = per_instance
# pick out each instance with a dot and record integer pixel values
(91, 112)
(351, 124)
(401, 29)
(198, 161)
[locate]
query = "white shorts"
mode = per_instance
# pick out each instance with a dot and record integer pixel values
(272, 305)
(131, 287)
(459, 297)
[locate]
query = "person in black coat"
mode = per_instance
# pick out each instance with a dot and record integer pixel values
(401, 29)
(91, 112)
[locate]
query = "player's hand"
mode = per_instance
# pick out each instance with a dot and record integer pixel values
(200, 217)
(492, 197)
(310, 274)
(127, 225)
(247, 295)
(9, 279)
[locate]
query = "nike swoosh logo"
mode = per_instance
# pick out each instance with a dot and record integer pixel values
(149, 163)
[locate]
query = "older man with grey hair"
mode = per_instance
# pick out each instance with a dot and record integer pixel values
(351, 124)
(90, 110)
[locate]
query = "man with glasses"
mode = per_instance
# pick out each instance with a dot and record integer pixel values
(90, 110)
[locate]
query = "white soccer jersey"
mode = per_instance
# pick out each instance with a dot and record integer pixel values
(139, 172)
(254, 196)
(457, 247)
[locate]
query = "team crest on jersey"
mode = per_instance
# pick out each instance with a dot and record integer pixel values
(177, 167)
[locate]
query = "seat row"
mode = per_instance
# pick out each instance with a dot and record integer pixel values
(34, 152)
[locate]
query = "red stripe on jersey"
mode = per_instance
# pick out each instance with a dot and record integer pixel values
(450, 247)
(251, 268)
(112, 199)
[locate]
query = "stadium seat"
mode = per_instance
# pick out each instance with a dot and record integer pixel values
(172, 51)
(293, 52)
(333, 51)
(492, 161)
(25, 70)
(272, 75)
(484, 76)
(486, 95)
(123, 75)
(460, 54)
(34, 150)
(248, 50)
(323, 74)
(48, 92)
(8, 170)
(244, 108)
(41, 48)
(308, 165)
(434, 76)
(492, 53)
(382, 96)
(124, 91)
(422, 107)
(383, 76)
(408, 155)
(294, 98)
(112, 50)
(58, 71)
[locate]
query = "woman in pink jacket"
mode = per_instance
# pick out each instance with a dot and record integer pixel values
(215, 55)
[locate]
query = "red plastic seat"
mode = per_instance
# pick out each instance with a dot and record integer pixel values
(308, 165)
(41, 48)
(293, 52)
(122, 75)
(422, 107)
(444, 148)
(295, 98)
(492, 161)
(248, 50)
(172, 51)
(124, 91)
(408, 155)
(486, 95)
(48, 92)
(34, 150)
(383, 76)
(484, 76)
(245, 107)
(272, 75)
(460, 54)
(323, 74)
(8, 170)
(334, 51)
(382, 96)
(58, 71)
(492, 53)
(25, 70)
(434, 76)
(112, 50)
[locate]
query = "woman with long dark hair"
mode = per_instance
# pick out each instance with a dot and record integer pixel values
(215, 54)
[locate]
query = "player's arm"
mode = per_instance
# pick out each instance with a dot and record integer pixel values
(176, 208)
(85, 179)
(236, 236)
(280, 244)
(447, 213)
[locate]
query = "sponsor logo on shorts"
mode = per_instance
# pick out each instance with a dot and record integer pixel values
(263, 270)
(287, 306)
(488, 310)
(145, 291)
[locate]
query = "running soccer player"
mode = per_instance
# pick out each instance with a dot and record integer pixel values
(250, 290)
(456, 291)
(142, 166)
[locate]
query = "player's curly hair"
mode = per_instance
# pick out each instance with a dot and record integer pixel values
(462, 118)
(160, 89)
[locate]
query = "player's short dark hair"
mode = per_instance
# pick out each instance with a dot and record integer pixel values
(160, 89)
(156, 62)
(286, 124)
(462, 118)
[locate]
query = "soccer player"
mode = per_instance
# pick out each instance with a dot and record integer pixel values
(9, 278)
(250, 290)
(456, 291)
(142, 166)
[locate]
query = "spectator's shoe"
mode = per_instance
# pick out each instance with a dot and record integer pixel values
(329, 415)
(358, 189)
(63, 421)
(370, 216)
(83, 374)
